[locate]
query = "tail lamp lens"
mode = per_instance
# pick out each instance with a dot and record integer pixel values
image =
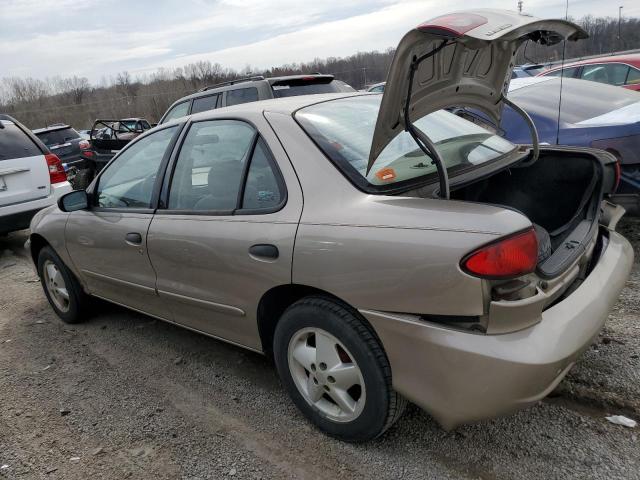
(56, 170)
(507, 258)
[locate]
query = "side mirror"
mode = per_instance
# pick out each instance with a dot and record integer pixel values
(72, 201)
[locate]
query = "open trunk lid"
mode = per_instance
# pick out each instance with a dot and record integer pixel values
(464, 58)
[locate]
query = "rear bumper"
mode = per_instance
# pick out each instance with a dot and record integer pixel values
(461, 377)
(17, 216)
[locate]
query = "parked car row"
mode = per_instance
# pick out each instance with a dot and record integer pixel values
(379, 247)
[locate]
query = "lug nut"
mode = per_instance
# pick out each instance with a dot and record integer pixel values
(323, 366)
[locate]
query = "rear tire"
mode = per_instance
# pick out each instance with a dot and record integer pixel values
(318, 339)
(62, 289)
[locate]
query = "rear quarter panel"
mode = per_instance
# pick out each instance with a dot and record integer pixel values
(380, 252)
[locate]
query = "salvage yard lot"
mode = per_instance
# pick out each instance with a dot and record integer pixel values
(125, 396)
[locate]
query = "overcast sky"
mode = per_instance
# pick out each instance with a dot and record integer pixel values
(99, 38)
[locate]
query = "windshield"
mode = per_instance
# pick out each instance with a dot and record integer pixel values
(343, 129)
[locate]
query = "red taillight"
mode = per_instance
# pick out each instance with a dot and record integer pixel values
(453, 25)
(56, 170)
(507, 258)
(84, 144)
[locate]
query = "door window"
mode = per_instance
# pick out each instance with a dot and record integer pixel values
(263, 188)
(128, 182)
(633, 77)
(209, 168)
(567, 72)
(242, 95)
(611, 73)
(204, 103)
(178, 111)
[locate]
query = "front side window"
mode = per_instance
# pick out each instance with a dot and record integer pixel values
(610, 73)
(343, 129)
(242, 95)
(178, 111)
(203, 104)
(209, 168)
(128, 181)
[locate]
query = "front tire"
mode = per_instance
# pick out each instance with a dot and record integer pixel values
(62, 289)
(335, 370)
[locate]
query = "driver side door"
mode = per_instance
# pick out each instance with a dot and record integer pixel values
(108, 242)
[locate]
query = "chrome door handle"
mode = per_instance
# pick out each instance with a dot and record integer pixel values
(134, 238)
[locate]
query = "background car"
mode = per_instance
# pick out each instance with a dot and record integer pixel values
(66, 143)
(377, 88)
(252, 89)
(609, 120)
(618, 70)
(31, 177)
(527, 70)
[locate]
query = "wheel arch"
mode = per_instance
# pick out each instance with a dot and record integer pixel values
(37, 243)
(276, 300)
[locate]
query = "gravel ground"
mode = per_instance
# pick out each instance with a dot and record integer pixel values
(125, 396)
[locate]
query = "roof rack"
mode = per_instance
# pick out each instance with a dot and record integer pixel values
(232, 82)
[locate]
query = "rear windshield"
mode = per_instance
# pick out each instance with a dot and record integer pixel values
(56, 137)
(294, 87)
(14, 143)
(343, 129)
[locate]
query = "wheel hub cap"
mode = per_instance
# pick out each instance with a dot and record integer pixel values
(326, 374)
(55, 285)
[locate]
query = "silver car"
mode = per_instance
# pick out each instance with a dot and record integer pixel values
(379, 248)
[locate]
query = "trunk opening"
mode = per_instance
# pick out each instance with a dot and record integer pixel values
(560, 193)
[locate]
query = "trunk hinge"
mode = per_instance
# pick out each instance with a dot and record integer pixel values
(421, 139)
(532, 128)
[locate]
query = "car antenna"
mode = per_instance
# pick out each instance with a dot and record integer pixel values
(564, 47)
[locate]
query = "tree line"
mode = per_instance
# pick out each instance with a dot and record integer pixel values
(75, 101)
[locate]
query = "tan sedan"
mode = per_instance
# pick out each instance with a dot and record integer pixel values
(377, 256)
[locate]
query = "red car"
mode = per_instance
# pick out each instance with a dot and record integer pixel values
(618, 70)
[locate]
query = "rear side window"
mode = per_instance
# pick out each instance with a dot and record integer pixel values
(57, 137)
(633, 78)
(14, 143)
(609, 73)
(209, 168)
(242, 95)
(203, 104)
(178, 111)
(262, 190)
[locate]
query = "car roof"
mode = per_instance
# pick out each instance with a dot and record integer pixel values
(51, 128)
(631, 59)
(285, 105)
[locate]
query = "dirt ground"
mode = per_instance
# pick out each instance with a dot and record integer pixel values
(125, 396)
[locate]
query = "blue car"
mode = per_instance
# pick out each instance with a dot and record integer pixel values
(592, 115)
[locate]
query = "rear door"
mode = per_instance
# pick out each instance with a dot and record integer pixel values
(227, 234)
(24, 174)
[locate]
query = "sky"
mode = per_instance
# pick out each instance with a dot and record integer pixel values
(99, 38)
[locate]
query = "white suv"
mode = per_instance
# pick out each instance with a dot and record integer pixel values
(31, 177)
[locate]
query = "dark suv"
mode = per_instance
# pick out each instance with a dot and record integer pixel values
(65, 142)
(252, 89)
